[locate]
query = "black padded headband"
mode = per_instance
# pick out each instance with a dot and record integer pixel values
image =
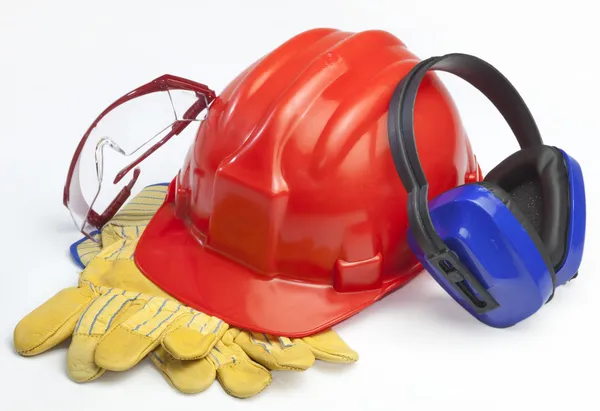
(486, 79)
(507, 100)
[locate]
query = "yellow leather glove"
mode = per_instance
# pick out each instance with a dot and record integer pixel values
(124, 326)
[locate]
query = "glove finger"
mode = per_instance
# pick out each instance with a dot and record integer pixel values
(329, 346)
(52, 322)
(189, 377)
(239, 376)
(127, 344)
(100, 316)
(275, 353)
(193, 335)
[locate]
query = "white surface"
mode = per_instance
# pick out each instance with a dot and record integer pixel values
(62, 62)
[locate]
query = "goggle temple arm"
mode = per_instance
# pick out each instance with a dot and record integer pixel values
(99, 220)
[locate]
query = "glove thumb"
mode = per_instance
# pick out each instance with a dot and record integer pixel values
(52, 322)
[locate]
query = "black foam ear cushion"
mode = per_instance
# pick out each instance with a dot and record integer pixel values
(537, 181)
(514, 208)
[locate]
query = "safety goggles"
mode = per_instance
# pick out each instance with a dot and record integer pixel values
(158, 110)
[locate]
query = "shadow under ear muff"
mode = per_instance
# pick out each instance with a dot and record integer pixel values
(501, 246)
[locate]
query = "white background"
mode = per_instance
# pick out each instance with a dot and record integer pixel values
(62, 62)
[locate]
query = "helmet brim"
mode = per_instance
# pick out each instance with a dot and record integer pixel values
(171, 257)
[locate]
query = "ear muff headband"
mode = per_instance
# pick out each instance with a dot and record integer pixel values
(496, 87)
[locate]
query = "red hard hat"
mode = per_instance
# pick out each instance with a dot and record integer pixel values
(288, 215)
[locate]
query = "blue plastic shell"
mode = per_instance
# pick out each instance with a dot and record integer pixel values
(577, 221)
(491, 242)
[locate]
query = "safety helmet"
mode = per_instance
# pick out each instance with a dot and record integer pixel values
(288, 215)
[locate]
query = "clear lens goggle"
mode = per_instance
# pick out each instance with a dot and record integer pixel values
(160, 109)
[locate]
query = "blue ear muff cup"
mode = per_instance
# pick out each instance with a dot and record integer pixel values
(482, 225)
(537, 181)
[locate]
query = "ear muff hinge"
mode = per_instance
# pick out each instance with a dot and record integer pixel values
(464, 282)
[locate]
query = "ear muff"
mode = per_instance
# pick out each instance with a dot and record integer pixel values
(499, 247)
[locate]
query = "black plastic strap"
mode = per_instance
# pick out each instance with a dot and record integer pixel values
(496, 87)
